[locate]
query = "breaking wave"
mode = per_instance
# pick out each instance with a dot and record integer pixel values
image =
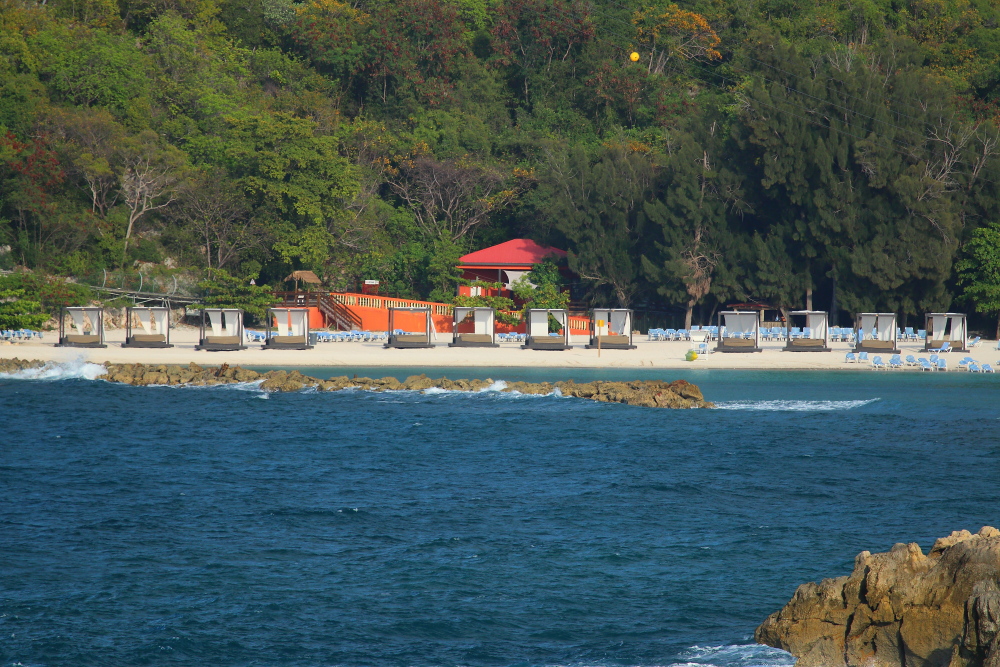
(59, 370)
(793, 406)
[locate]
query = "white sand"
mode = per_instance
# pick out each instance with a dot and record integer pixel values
(650, 354)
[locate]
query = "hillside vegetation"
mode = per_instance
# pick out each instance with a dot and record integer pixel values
(758, 149)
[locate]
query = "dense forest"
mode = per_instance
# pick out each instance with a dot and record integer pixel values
(842, 154)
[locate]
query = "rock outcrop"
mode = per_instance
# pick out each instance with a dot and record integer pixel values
(900, 608)
(648, 393)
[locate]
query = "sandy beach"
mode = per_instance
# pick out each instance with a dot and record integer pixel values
(650, 354)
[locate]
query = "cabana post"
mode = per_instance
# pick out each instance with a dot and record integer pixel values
(483, 327)
(949, 328)
(224, 330)
(89, 325)
(616, 331)
(538, 336)
(815, 336)
(400, 338)
(739, 331)
(876, 332)
(292, 326)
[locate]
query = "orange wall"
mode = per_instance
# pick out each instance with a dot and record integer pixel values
(377, 319)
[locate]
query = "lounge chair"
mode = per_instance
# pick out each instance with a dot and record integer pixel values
(945, 347)
(925, 365)
(862, 356)
(975, 341)
(988, 368)
(974, 367)
(911, 360)
(851, 358)
(895, 362)
(877, 363)
(942, 364)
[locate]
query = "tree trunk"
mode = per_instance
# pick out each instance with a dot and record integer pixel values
(809, 298)
(833, 301)
(687, 315)
(998, 327)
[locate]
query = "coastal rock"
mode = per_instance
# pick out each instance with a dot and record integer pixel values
(647, 393)
(900, 608)
(14, 365)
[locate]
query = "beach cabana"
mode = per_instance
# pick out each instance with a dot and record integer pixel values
(876, 332)
(814, 335)
(538, 337)
(739, 331)
(88, 322)
(483, 332)
(612, 328)
(221, 330)
(292, 329)
(154, 324)
(410, 327)
(949, 328)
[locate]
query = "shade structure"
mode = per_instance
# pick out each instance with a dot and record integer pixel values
(87, 322)
(410, 328)
(221, 330)
(814, 335)
(483, 325)
(147, 326)
(876, 332)
(951, 328)
(739, 331)
(291, 327)
(611, 329)
(538, 337)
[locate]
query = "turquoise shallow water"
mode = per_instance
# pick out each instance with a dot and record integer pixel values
(225, 526)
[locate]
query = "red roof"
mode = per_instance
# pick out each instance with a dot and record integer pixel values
(518, 252)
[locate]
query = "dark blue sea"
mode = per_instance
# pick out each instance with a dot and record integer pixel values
(227, 526)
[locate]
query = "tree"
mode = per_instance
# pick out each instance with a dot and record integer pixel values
(979, 271)
(223, 290)
(595, 205)
(214, 209)
(665, 30)
(450, 198)
(16, 312)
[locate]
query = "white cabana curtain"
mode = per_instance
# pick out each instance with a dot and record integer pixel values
(817, 323)
(78, 315)
(161, 320)
(740, 323)
(298, 321)
(958, 333)
(538, 323)
(868, 323)
(232, 322)
(938, 324)
(619, 322)
(215, 320)
(886, 327)
(481, 321)
(281, 321)
(598, 316)
(142, 315)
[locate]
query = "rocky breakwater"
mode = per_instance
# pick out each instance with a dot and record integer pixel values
(648, 393)
(901, 608)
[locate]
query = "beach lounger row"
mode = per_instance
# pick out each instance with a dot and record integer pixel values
(681, 334)
(512, 337)
(20, 335)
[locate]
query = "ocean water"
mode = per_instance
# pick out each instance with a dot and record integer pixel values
(227, 526)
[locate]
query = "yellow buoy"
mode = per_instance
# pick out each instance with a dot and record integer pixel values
(634, 57)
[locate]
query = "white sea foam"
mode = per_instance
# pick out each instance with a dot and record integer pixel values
(64, 370)
(735, 655)
(793, 406)
(498, 385)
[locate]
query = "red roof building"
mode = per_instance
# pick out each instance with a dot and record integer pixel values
(506, 262)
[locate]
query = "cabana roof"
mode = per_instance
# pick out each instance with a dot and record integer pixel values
(522, 254)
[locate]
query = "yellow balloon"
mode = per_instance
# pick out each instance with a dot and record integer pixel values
(634, 57)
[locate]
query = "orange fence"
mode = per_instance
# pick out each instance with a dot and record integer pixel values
(370, 312)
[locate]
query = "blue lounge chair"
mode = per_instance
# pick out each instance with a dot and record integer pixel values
(862, 356)
(988, 369)
(851, 358)
(911, 360)
(925, 365)
(974, 368)
(975, 341)
(942, 365)
(945, 347)
(895, 361)
(877, 363)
